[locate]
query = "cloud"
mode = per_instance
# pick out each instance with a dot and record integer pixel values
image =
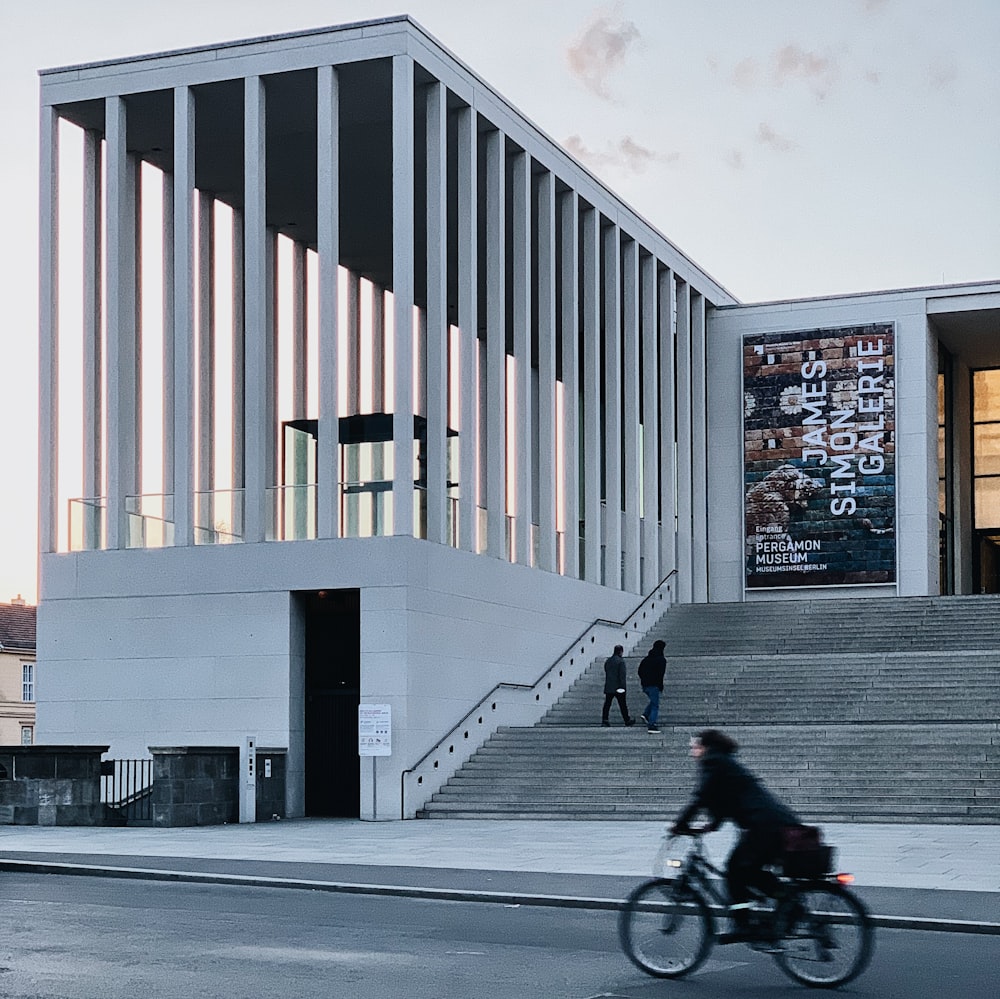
(767, 136)
(734, 158)
(942, 75)
(600, 50)
(790, 64)
(872, 6)
(746, 74)
(625, 154)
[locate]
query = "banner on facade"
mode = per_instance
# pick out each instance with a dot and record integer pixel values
(819, 457)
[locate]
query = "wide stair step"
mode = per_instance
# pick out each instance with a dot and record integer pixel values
(878, 710)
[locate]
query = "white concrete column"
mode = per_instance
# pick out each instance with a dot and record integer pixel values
(651, 574)
(182, 485)
(494, 401)
(630, 435)
(612, 408)
(135, 197)
(48, 330)
(524, 431)
(437, 314)
(300, 333)
(168, 346)
(402, 293)
(378, 349)
(239, 374)
(120, 317)
(570, 262)
(93, 363)
(591, 396)
(328, 247)
(271, 325)
(352, 353)
(468, 322)
(668, 459)
(258, 280)
(545, 453)
(685, 550)
(206, 354)
(699, 452)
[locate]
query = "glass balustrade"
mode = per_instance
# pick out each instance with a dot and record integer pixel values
(149, 521)
(218, 517)
(87, 524)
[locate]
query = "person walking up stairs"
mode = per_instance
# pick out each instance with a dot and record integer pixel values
(614, 687)
(651, 672)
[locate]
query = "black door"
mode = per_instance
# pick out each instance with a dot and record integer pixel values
(332, 693)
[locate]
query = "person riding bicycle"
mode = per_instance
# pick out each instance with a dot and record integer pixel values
(728, 790)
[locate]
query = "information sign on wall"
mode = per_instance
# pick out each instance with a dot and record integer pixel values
(375, 730)
(819, 457)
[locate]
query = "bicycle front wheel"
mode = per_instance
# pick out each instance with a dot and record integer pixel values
(826, 936)
(665, 930)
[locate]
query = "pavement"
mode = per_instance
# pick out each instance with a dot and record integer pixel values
(944, 877)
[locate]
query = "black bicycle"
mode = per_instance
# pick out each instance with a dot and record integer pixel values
(818, 932)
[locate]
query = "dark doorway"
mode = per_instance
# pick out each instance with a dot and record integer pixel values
(986, 555)
(332, 694)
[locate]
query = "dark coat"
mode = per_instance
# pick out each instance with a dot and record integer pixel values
(727, 790)
(652, 668)
(614, 674)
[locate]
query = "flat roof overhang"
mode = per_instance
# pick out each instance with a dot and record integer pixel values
(362, 53)
(968, 325)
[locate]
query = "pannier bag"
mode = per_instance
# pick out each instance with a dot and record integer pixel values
(804, 854)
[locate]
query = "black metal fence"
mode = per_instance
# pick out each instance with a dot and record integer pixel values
(127, 789)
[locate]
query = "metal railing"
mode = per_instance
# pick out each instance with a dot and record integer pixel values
(482, 720)
(127, 788)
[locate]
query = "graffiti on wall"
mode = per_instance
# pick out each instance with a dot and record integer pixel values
(819, 454)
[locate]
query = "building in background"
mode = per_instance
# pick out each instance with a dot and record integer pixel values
(17, 673)
(387, 398)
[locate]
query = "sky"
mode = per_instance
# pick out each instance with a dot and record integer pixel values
(791, 149)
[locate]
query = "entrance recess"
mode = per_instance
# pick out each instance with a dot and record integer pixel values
(332, 694)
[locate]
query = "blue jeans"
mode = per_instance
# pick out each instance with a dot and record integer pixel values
(652, 711)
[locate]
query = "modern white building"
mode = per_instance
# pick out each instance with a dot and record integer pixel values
(387, 400)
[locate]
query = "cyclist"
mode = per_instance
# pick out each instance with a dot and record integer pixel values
(727, 790)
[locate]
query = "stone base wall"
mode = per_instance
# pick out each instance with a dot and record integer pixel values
(51, 785)
(195, 785)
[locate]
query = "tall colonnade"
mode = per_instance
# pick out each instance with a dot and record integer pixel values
(384, 304)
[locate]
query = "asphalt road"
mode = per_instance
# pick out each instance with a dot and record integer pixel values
(94, 938)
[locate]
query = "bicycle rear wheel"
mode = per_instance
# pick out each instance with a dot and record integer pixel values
(665, 931)
(826, 937)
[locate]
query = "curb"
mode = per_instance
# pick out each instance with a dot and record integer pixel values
(439, 894)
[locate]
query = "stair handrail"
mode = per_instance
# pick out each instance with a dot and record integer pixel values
(651, 597)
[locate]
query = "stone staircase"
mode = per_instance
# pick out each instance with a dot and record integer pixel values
(881, 710)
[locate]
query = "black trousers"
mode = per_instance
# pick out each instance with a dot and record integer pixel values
(620, 698)
(745, 867)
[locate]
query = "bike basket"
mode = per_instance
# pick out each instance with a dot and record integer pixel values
(803, 854)
(811, 863)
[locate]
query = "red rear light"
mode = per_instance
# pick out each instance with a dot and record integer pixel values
(845, 879)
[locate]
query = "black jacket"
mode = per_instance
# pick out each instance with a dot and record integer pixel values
(614, 674)
(727, 790)
(652, 668)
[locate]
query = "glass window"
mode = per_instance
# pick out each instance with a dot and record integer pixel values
(986, 395)
(986, 444)
(27, 681)
(27, 735)
(986, 447)
(987, 502)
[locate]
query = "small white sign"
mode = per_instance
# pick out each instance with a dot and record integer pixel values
(374, 730)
